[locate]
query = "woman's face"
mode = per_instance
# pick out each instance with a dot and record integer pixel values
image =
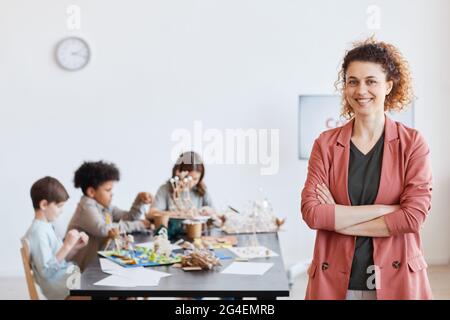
(195, 177)
(366, 88)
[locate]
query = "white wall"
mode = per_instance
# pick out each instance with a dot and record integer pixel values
(160, 65)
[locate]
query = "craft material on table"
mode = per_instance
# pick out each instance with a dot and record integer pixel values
(160, 244)
(219, 242)
(181, 205)
(220, 253)
(199, 259)
(139, 258)
(151, 245)
(144, 256)
(181, 199)
(256, 217)
(253, 252)
(193, 228)
(117, 236)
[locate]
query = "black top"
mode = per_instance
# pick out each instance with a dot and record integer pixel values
(364, 173)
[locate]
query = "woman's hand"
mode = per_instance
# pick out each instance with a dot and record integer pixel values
(324, 194)
(349, 220)
(146, 223)
(207, 211)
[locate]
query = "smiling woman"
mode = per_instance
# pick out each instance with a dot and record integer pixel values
(380, 57)
(368, 188)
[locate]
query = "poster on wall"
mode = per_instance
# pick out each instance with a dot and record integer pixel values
(317, 113)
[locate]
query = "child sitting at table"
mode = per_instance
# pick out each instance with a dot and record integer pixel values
(189, 165)
(96, 216)
(48, 254)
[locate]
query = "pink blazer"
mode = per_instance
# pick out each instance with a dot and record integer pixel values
(405, 180)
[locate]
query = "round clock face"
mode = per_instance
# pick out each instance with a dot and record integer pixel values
(72, 53)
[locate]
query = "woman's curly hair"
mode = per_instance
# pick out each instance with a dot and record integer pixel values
(393, 63)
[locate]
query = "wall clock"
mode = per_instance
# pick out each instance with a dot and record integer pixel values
(72, 53)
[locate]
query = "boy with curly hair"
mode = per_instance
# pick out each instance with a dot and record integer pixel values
(95, 214)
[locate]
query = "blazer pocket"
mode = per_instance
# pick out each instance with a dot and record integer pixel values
(312, 269)
(417, 263)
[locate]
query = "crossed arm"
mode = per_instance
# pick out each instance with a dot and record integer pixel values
(320, 211)
(364, 220)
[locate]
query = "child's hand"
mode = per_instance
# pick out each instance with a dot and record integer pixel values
(72, 238)
(146, 223)
(145, 197)
(82, 241)
(113, 233)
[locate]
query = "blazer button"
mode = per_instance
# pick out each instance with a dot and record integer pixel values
(325, 266)
(396, 264)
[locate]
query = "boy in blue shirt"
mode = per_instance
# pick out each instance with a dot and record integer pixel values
(48, 254)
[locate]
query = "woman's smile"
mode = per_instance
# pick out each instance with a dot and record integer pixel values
(364, 102)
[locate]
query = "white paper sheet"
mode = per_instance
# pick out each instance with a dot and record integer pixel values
(248, 268)
(115, 281)
(141, 276)
(129, 277)
(108, 265)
